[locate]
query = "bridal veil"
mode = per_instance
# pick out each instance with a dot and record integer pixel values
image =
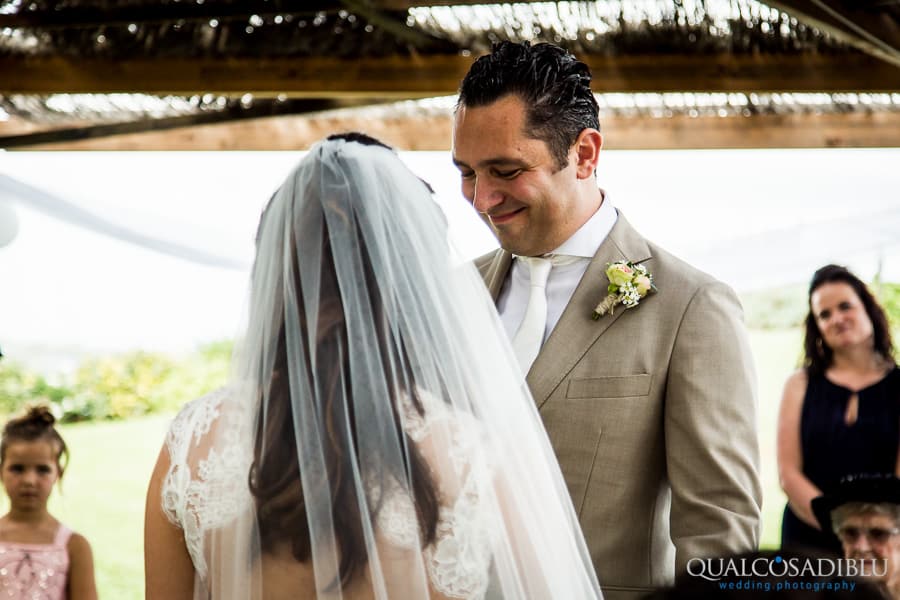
(377, 439)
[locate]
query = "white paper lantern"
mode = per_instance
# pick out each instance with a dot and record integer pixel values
(9, 223)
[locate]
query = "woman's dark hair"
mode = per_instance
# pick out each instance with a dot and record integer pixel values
(367, 140)
(554, 86)
(359, 138)
(817, 355)
(35, 424)
(275, 474)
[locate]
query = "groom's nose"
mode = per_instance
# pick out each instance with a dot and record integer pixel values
(485, 195)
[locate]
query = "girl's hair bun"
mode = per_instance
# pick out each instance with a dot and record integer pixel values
(39, 415)
(36, 419)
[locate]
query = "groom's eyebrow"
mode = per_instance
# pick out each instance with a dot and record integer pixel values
(493, 162)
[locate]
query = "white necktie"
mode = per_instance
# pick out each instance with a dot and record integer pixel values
(530, 335)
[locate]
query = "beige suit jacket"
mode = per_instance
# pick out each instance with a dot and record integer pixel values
(652, 414)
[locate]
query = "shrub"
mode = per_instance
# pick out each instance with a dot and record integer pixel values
(120, 386)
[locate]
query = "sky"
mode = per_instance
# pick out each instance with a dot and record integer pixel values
(756, 219)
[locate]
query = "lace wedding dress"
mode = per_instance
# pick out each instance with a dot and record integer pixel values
(205, 488)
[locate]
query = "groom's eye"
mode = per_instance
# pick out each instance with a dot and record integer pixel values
(507, 174)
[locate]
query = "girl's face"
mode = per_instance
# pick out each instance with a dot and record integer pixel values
(28, 473)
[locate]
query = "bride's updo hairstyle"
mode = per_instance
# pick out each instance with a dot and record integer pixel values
(35, 425)
(276, 477)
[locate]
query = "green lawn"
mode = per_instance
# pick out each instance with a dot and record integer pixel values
(777, 353)
(103, 497)
(104, 488)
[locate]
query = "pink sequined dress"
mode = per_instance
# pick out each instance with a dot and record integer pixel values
(35, 571)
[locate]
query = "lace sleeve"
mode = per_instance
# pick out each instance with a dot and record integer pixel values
(206, 484)
(458, 561)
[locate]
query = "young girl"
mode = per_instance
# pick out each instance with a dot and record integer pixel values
(40, 558)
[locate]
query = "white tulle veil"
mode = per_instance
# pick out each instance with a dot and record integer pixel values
(385, 441)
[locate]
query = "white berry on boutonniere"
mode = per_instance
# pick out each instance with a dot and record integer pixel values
(628, 283)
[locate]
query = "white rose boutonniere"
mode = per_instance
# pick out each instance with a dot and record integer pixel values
(628, 283)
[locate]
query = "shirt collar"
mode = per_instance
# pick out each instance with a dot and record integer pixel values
(586, 241)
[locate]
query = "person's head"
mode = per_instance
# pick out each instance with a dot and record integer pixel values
(843, 314)
(864, 513)
(341, 253)
(870, 531)
(31, 458)
(526, 139)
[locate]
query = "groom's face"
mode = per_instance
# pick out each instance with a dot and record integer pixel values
(512, 180)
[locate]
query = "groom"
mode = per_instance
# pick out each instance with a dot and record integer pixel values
(651, 410)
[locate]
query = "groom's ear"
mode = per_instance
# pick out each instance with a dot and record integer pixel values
(587, 152)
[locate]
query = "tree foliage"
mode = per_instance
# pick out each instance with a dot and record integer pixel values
(119, 386)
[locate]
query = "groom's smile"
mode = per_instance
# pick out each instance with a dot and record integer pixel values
(498, 218)
(512, 179)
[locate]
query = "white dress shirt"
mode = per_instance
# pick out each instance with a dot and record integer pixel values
(563, 280)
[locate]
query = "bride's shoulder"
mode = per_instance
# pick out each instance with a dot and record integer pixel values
(205, 486)
(207, 403)
(196, 419)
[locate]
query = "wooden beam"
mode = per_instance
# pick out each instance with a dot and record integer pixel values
(407, 4)
(423, 76)
(849, 130)
(433, 132)
(394, 22)
(870, 29)
(235, 112)
(86, 16)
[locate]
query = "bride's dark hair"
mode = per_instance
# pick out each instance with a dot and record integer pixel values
(275, 479)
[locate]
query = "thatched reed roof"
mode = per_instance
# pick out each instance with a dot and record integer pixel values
(142, 65)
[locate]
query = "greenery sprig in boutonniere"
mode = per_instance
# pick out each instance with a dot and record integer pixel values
(628, 283)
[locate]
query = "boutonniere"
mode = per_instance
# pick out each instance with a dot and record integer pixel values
(628, 283)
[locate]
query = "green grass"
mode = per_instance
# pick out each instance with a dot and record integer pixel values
(776, 353)
(105, 486)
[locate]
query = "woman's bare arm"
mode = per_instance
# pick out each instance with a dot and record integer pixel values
(168, 570)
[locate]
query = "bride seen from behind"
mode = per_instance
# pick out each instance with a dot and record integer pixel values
(377, 439)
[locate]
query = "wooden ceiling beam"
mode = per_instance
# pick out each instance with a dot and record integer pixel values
(432, 132)
(873, 31)
(423, 76)
(407, 4)
(394, 22)
(79, 131)
(87, 16)
(848, 130)
(191, 11)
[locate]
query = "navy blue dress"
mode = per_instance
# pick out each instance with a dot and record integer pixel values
(832, 449)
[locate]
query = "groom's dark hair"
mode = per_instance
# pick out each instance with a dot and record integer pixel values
(554, 85)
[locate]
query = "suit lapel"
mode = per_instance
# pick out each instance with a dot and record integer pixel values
(495, 271)
(576, 332)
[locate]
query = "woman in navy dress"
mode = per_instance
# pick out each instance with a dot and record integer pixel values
(840, 413)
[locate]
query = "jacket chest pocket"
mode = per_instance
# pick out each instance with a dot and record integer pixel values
(618, 386)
